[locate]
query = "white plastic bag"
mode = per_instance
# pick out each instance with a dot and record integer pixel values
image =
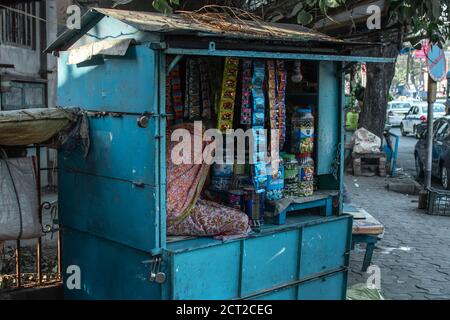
(18, 200)
(365, 141)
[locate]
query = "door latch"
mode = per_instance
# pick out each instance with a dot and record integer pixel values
(156, 275)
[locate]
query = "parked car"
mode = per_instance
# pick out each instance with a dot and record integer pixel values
(440, 152)
(422, 95)
(396, 111)
(417, 114)
(445, 103)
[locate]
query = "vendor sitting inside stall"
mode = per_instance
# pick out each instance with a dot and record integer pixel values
(187, 213)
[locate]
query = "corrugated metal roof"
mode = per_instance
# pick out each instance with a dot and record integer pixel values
(202, 24)
(196, 25)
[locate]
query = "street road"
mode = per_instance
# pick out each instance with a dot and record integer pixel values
(405, 158)
(413, 256)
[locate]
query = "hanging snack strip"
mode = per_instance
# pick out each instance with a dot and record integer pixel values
(169, 104)
(281, 100)
(273, 111)
(187, 98)
(206, 92)
(227, 100)
(259, 140)
(272, 84)
(177, 96)
(194, 90)
(246, 110)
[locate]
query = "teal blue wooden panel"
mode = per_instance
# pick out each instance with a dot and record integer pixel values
(324, 247)
(270, 261)
(328, 117)
(110, 208)
(119, 149)
(108, 270)
(275, 55)
(296, 222)
(341, 136)
(332, 287)
(120, 84)
(283, 294)
(210, 273)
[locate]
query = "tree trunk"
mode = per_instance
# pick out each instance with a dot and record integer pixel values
(379, 80)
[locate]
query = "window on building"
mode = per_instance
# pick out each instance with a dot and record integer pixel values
(23, 95)
(17, 26)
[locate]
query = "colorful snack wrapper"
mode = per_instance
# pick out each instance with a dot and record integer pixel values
(227, 99)
(259, 139)
(246, 110)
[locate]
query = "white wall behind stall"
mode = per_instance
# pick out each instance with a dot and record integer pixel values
(52, 34)
(27, 64)
(52, 76)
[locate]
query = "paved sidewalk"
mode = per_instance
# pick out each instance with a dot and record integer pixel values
(414, 255)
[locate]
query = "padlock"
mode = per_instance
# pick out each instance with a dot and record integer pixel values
(160, 277)
(143, 121)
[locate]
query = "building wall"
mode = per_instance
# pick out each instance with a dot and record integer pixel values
(52, 34)
(34, 69)
(33, 80)
(29, 63)
(26, 62)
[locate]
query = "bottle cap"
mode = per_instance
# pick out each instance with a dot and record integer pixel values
(288, 156)
(304, 110)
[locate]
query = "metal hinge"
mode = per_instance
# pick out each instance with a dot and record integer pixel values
(138, 184)
(212, 46)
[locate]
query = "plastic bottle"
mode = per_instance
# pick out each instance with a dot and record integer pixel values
(290, 174)
(304, 121)
(306, 175)
(302, 137)
(275, 183)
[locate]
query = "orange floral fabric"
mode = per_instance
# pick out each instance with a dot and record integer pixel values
(186, 214)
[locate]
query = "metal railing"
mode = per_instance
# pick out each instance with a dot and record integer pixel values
(39, 277)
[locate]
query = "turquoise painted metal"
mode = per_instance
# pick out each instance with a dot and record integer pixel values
(275, 55)
(277, 259)
(328, 113)
(302, 259)
(113, 202)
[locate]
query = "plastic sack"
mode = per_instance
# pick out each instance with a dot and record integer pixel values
(18, 200)
(360, 291)
(365, 141)
(29, 126)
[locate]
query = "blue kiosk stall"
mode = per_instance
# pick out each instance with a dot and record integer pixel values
(112, 202)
